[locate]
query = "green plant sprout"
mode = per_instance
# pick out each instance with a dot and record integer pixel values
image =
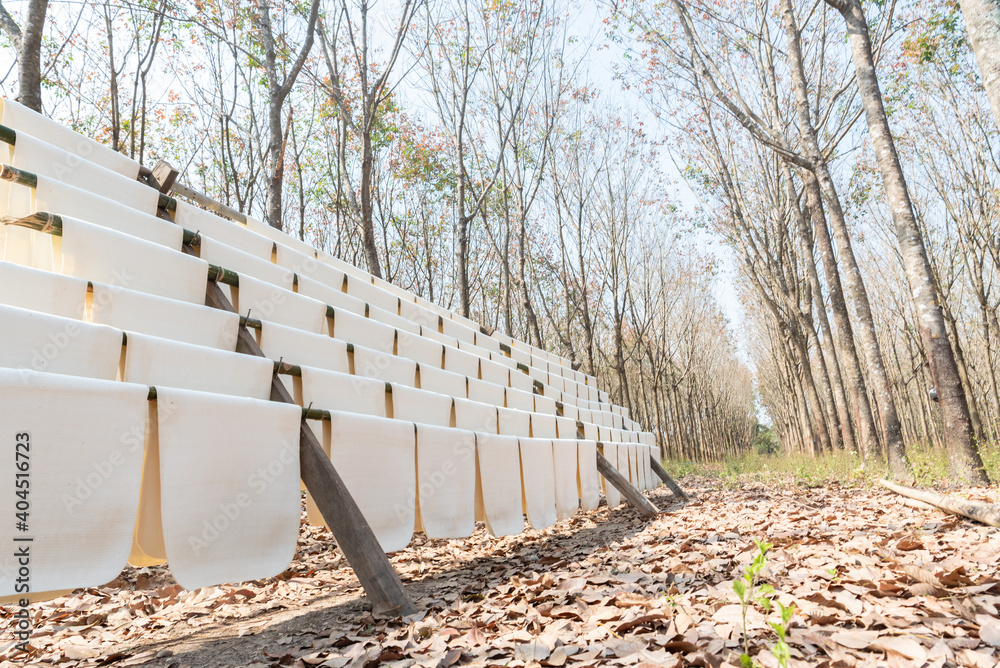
(750, 589)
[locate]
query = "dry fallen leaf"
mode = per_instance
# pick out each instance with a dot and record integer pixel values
(906, 647)
(855, 639)
(989, 630)
(733, 614)
(602, 588)
(531, 651)
(973, 659)
(908, 544)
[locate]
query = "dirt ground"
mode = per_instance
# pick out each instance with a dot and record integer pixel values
(874, 583)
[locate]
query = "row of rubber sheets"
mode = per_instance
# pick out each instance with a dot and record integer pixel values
(213, 520)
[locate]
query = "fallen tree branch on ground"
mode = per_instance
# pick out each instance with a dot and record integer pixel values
(913, 503)
(987, 513)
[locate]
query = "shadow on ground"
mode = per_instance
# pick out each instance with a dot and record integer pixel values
(434, 572)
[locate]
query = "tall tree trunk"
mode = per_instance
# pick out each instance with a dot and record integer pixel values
(982, 19)
(28, 43)
(966, 464)
(963, 371)
(276, 163)
(522, 279)
(277, 92)
(588, 323)
(829, 364)
(462, 251)
(896, 453)
(367, 226)
(302, 190)
(508, 297)
(824, 388)
(620, 357)
(116, 120)
(850, 362)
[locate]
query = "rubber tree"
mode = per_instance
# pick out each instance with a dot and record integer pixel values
(982, 20)
(28, 43)
(361, 115)
(278, 88)
(963, 453)
(812, 162)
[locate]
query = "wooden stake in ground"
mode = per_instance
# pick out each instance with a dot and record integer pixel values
(987, 513)
(662, 474)
(621, 483)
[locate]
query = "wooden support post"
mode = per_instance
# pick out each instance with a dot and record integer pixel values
(667, 480)
(341, 512)
(621, 483)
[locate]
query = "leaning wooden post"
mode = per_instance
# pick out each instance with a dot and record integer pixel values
(667, 480)
(341, 512)
(621, 483)
(169, 174)
(349, 527)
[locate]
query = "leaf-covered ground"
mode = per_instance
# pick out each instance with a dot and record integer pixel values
(874, 582)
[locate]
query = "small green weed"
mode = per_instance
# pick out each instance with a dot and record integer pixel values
(930, 467)
(750, 590)
(842, 467)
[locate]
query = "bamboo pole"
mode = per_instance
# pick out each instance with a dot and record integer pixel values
(9, 136)
(167, 202)
(987, 513)
(21, 177)
(51, 223)
(252, 323)
(18, 176)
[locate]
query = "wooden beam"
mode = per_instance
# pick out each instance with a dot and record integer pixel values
(164, 175)
(621, 483)
(208, 202)
(350, 529)
(662, 474)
